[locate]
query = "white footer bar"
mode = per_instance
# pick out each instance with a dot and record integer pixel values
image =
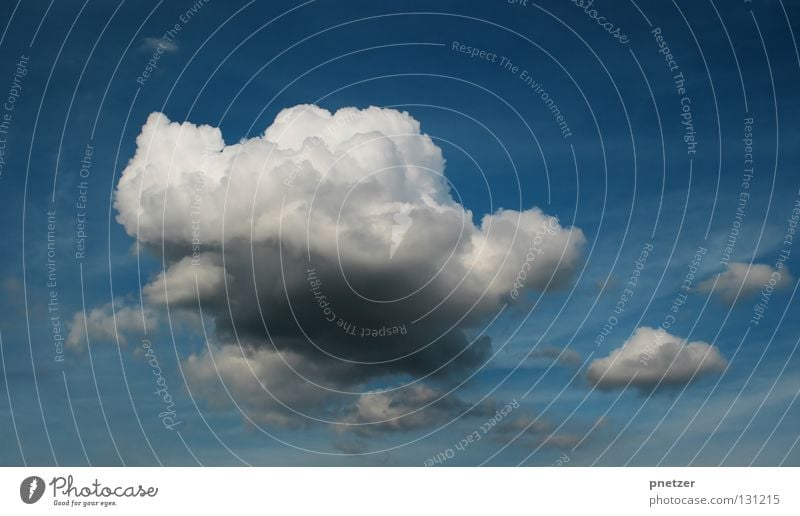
(401, 491)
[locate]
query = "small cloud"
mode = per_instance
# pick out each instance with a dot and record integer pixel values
(350, 447)
(186, 283)
(606, 285)
(602, 422)
(415, 407)
(153, 44)
(742, 280)
(525, 424)
(563, 356)
(561, 440)
(534, 432)
(108, 324)
(651, 358)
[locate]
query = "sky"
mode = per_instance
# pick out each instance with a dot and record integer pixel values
(415, 233)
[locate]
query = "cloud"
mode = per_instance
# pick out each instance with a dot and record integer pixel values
(562, 440)
(532, 432)
(106, 325)
(412, 408)
(154, 44)
(189, 282)
(523, 424)
(268, 387)
(741, 280)
(350, 447)
(264, 385)
(290, 243)
(653, 357)
(563, 356)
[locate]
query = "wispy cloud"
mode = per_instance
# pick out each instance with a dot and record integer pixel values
(150, 44)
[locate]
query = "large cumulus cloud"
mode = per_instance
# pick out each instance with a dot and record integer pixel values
(328, 253)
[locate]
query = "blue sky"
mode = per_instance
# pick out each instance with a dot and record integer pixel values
(623, 176)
